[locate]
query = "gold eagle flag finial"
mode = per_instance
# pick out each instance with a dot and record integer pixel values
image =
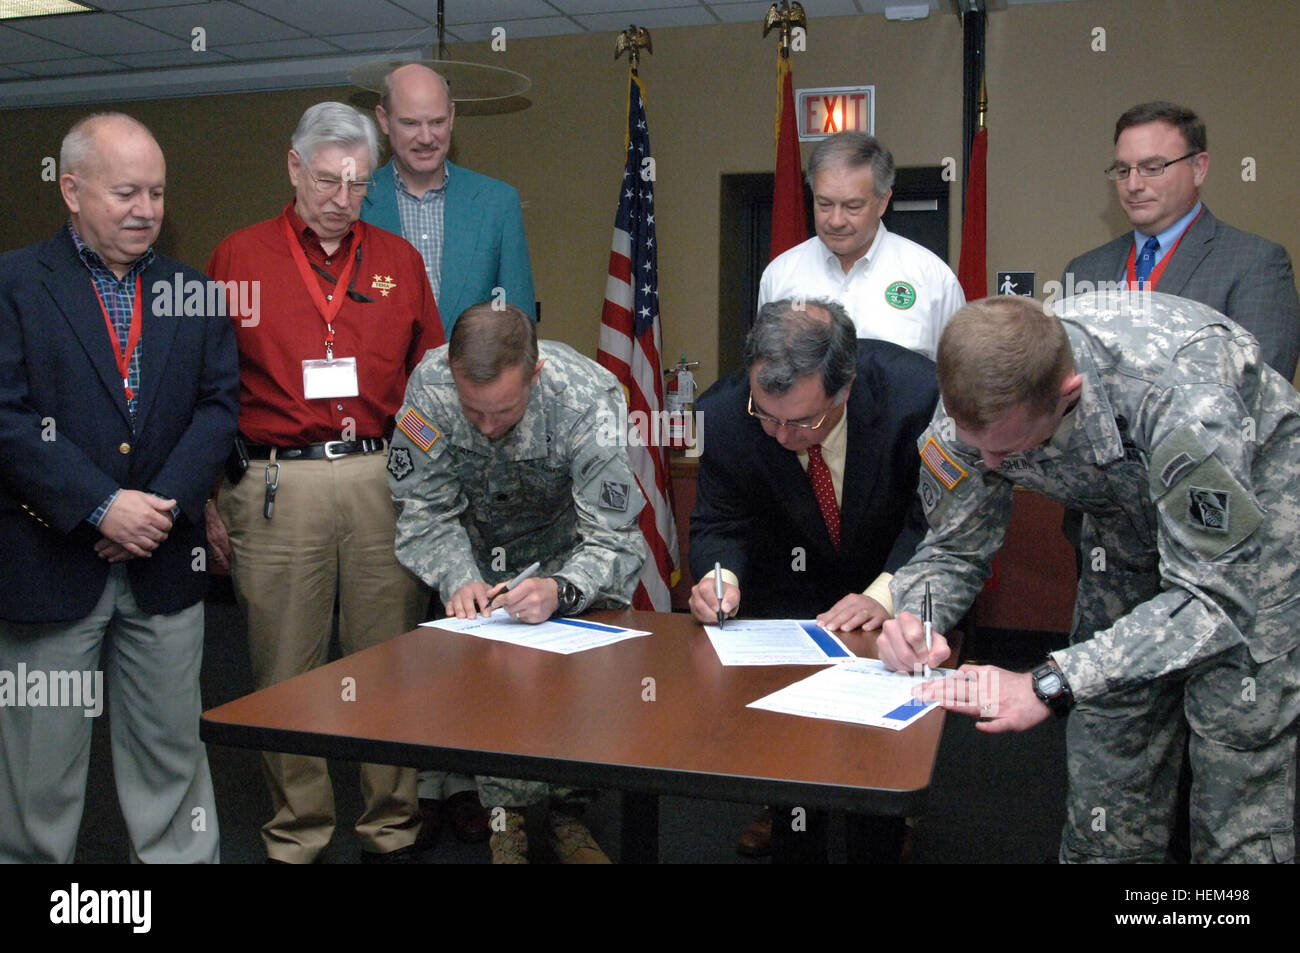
(787, 14)
(632, 41)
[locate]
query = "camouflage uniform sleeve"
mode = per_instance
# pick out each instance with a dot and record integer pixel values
(431, 542)
(1200, 462)
(607, 560)
(967, 509)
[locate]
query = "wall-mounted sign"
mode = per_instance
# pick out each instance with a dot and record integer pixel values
(1015, 283)
(831, 109)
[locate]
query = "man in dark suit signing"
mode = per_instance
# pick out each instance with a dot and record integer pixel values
(117, 411)
(808, 483)
(1177, 247)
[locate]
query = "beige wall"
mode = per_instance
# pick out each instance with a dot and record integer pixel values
(710, 101)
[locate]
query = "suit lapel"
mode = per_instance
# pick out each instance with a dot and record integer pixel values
(791, 487)
(156, 339)
(863, 459)
(69, 284)
(461, 227)
(1189, 254)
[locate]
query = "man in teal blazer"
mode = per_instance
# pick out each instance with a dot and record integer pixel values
(468, 227)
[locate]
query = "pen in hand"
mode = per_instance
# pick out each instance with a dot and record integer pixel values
(928, 624)
(718, 590)
(506, 587)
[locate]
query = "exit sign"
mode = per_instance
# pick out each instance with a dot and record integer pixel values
(831, 109)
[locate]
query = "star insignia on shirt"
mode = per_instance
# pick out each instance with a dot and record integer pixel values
(383, 284)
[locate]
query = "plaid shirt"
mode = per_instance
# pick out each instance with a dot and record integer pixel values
(422, 224)
(119, 301)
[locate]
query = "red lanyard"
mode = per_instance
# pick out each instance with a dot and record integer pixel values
(1159, 269)
(327, 309)
(123, 358)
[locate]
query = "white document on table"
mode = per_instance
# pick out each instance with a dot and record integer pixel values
(862, 692)
(564, 636)
(776, 642)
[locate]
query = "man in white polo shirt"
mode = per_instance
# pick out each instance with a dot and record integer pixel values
(893, 289)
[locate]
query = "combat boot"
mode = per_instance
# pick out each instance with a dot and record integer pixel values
(510, 846)
(572, 842)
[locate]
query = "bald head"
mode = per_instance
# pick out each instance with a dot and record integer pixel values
(416, 114)
(112, 176)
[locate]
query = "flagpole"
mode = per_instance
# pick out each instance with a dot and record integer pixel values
(630, 337)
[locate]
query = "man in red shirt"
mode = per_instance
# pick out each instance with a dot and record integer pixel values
(343, 314)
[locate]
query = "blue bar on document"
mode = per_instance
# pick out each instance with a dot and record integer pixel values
(588, 625)
(907, 710)
(830, 648)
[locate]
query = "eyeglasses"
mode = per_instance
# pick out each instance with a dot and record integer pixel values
(1148, 168)
(793, 424)
(329, 185)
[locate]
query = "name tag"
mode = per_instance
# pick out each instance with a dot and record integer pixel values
(336, 378)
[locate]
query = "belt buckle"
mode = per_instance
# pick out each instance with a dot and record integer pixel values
(334, 455)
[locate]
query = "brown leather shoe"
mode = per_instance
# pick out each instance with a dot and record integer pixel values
(467, 817)
(756, 839)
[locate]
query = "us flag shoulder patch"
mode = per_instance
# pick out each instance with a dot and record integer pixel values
(941, 465)
(421, 432)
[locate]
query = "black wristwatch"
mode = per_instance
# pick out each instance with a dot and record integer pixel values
(1052, 689)
(570, 596)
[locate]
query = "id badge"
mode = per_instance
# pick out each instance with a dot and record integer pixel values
(336, 378)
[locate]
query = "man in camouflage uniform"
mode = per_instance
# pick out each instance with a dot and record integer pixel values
(501, 459)
(1155, 417)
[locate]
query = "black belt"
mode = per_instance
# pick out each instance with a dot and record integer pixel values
(330, 450)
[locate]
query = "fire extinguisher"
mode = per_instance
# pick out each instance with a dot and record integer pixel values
(679, 402)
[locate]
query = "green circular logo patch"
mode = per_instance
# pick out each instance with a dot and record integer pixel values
(901, 295)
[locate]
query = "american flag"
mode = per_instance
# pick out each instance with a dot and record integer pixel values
(629, 347)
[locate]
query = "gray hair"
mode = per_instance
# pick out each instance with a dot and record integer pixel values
(335, 124)
(788, 343)
(854, 150)
(78, 144)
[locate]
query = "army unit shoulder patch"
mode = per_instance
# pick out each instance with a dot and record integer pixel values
(614, 495)
(399, 463)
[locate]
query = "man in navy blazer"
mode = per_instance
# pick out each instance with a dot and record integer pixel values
(757, 511)
(468, 227)
(112, 443)
(807, 497)
(1199, 257)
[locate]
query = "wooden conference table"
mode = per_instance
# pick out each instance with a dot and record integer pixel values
(648, 716)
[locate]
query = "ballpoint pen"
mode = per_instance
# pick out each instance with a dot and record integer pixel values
(526, 574)
(928, 624)
(717, 590)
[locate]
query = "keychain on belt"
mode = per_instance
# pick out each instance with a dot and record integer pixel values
(272, 484)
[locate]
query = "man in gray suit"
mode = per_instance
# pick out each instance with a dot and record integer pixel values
(1160, 164)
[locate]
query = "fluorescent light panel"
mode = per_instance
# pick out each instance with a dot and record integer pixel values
(16, 9)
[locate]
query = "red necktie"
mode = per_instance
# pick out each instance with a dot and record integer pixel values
(824, 489)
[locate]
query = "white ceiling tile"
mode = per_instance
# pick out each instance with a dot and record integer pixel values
(164, 58)
(515, 29)
(279, 49)
(16, 46)
(676, 16)
(338, 16)
(385, 40)
(474, 11)
(225, 23)
(102, 34)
